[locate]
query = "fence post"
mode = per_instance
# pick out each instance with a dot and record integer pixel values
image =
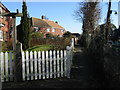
(72, 43)
(18, 63)
(68, 61)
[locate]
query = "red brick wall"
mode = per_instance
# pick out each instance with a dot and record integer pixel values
(6, 21)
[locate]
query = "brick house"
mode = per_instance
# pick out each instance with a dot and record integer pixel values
(47, 26)
(5, 24)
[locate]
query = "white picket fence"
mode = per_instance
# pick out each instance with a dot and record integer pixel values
(6, 66)
(45, 64)
(37, 65)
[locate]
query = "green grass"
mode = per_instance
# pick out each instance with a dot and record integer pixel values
(41, 48)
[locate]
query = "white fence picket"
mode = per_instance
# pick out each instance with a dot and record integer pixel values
(47, 66)
(39, 64)
(61, 63)
(58, 66)
(27, 65)
(6, 66)
(11, 66)
(54, 58)
(23, 65)
(35, 64)
(31, 64)
(51, 70)
(43, 64)
(2, 67)
(65, 66)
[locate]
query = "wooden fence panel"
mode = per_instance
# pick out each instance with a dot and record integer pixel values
(37, 65)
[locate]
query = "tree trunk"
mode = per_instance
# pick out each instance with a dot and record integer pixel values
(108, 22)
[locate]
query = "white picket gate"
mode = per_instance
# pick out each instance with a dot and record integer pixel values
(37, 65)
(44, 65)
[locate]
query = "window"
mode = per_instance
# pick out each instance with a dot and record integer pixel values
(53, 30)
(1, 35)
(36, 29)
(48, 29)
(62, 30)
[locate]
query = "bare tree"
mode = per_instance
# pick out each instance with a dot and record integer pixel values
(108, 22)
(89, 14)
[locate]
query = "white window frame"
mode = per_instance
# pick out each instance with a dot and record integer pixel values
(36, 29)
(53, 29)
(48, 29)
(1, 35)
(62, 30)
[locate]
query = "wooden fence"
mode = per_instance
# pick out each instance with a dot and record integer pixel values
(37, 65)
(6, 66)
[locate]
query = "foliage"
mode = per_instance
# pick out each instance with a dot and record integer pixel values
(59, 43)
(112, 64)
(89, 14)
(7, 46)
(37, 41)
(49, 35)
(37, 35)
(4, 46)
(67, 34)
(115, 35)
(104, 59)
(24, 28)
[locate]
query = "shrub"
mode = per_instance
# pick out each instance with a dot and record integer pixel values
(7, 46)
(37, 35)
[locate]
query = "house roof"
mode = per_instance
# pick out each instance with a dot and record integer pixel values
(1, 5)
(36, 22)
(53, 24)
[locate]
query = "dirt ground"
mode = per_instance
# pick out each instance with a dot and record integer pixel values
(80, 76)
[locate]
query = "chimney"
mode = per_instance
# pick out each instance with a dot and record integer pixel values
(56, 22)
(43, 17)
